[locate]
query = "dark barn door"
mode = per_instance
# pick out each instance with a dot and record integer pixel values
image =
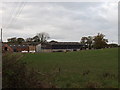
(15, 50)
(5, 48)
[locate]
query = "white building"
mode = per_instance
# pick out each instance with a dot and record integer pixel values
(38, 48)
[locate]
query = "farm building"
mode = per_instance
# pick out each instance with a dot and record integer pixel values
(6, 47)
(38, 48)
(59, 47)
(11, 47)
(14, 47)
(44, 47)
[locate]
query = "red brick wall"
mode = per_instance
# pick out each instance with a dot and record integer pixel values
(22, 49)
(8, 48)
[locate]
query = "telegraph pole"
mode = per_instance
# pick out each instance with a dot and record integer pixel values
(1, 35)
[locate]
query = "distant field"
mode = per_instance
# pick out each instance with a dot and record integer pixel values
(90, 68)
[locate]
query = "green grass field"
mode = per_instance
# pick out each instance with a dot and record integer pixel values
(89, 68)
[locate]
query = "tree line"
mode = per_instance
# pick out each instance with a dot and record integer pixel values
(97, 42)
(40, 37)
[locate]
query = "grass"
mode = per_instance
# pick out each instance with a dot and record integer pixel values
(90, 68)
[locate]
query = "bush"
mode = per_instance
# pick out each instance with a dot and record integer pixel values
(16, 74)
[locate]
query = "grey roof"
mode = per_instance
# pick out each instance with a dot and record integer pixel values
(65, 43)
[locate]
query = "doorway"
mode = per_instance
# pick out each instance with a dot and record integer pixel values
(5, 48)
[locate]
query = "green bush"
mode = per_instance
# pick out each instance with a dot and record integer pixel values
(16, 74)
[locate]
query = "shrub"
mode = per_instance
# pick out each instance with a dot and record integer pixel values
(16, 74)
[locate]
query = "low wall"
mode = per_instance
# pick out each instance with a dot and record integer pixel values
(46, 50)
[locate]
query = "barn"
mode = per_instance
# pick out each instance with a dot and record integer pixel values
(14, 47)
(6, 48)
(59, 47)
(43, 47)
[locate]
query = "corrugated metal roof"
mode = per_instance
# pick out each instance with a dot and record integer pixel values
(65, 43)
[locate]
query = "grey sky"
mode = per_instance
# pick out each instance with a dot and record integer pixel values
(63, 21)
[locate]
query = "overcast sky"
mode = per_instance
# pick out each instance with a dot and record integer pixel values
(62, 21)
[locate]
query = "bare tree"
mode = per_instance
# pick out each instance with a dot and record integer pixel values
(42, 37)
(29, 40)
